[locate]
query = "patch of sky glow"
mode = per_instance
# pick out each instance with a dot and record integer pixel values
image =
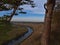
(36, 14)
(28, 19)
(5, 12)
(33, 14)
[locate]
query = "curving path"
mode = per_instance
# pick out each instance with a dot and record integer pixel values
(19, 40)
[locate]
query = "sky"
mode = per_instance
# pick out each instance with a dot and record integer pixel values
(33, 14)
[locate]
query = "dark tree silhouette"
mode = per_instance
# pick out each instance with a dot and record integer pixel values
(14, 4)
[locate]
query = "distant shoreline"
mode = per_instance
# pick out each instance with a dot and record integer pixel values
(25, 22)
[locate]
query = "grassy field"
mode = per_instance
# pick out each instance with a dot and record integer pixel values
(35, 38)
(9, 31)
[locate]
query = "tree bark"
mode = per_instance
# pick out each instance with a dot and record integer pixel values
(47, 26)
(15, 8)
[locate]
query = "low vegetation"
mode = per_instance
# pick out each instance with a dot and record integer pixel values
(34, 39)
(9, 31)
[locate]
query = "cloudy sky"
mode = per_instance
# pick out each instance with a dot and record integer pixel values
(33, 14)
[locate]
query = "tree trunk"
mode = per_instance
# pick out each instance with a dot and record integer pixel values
(47, 26)
(15, 8)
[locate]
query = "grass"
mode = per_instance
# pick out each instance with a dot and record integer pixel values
(35, 39)
(9, 31)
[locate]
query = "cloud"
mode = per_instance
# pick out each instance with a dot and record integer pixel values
(33, 14)
(39, 7)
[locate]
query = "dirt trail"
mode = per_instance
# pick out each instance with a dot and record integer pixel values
(34, 39)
